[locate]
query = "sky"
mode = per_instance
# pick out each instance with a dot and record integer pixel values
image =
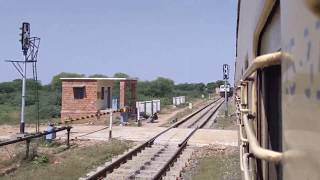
(184, 40)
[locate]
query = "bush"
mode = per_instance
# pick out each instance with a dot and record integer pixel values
(39, 160)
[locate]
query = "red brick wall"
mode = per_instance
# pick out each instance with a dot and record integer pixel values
(73, 108)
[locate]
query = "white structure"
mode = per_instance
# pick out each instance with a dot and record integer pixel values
(178, 100)
(148, 107)
(222, 88)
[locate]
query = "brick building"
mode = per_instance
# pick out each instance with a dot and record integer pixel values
(87, 96)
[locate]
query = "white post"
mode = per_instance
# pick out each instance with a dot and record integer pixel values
(138, 115)
(23, 96)
(110, 126)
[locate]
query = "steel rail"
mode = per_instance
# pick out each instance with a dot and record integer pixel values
(102, 172)
(193, 114)
(216, 109)
(206, 112)
(257, 150)
(183, 145)
(124, 158)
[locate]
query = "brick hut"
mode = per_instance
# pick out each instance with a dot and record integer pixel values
(86, 96)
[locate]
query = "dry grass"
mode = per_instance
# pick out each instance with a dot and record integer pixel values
(70, 164)
(214, 163)
(218, 167)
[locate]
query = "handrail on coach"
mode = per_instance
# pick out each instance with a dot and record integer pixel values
(257, 150)
(262, 62)
(250, 139)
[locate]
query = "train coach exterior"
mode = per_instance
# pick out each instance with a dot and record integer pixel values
(278, 88)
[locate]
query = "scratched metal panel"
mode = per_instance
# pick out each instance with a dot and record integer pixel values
(301, 90)
(271, 37)
(250, 11)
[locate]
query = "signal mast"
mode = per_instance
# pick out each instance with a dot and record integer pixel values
(30, 46)
(225, 78)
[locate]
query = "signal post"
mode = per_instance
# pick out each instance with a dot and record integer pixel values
(30, 46)
(225, 78)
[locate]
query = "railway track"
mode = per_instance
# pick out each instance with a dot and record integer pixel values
(201, 118)
(152, 159)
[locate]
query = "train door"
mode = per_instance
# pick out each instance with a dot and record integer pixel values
(269, 119)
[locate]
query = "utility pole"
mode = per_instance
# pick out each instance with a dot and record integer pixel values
(226, 77)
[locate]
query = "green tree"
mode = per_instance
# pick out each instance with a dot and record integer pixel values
(98, 76)
(120, 75)
(116, 84)
(161, 87)
(211, 86)
(56, 82)
(220, 82)
(9, 87)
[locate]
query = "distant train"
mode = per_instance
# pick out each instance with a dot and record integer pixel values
(222, 90)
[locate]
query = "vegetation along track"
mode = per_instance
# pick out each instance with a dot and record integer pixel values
(150, 160)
